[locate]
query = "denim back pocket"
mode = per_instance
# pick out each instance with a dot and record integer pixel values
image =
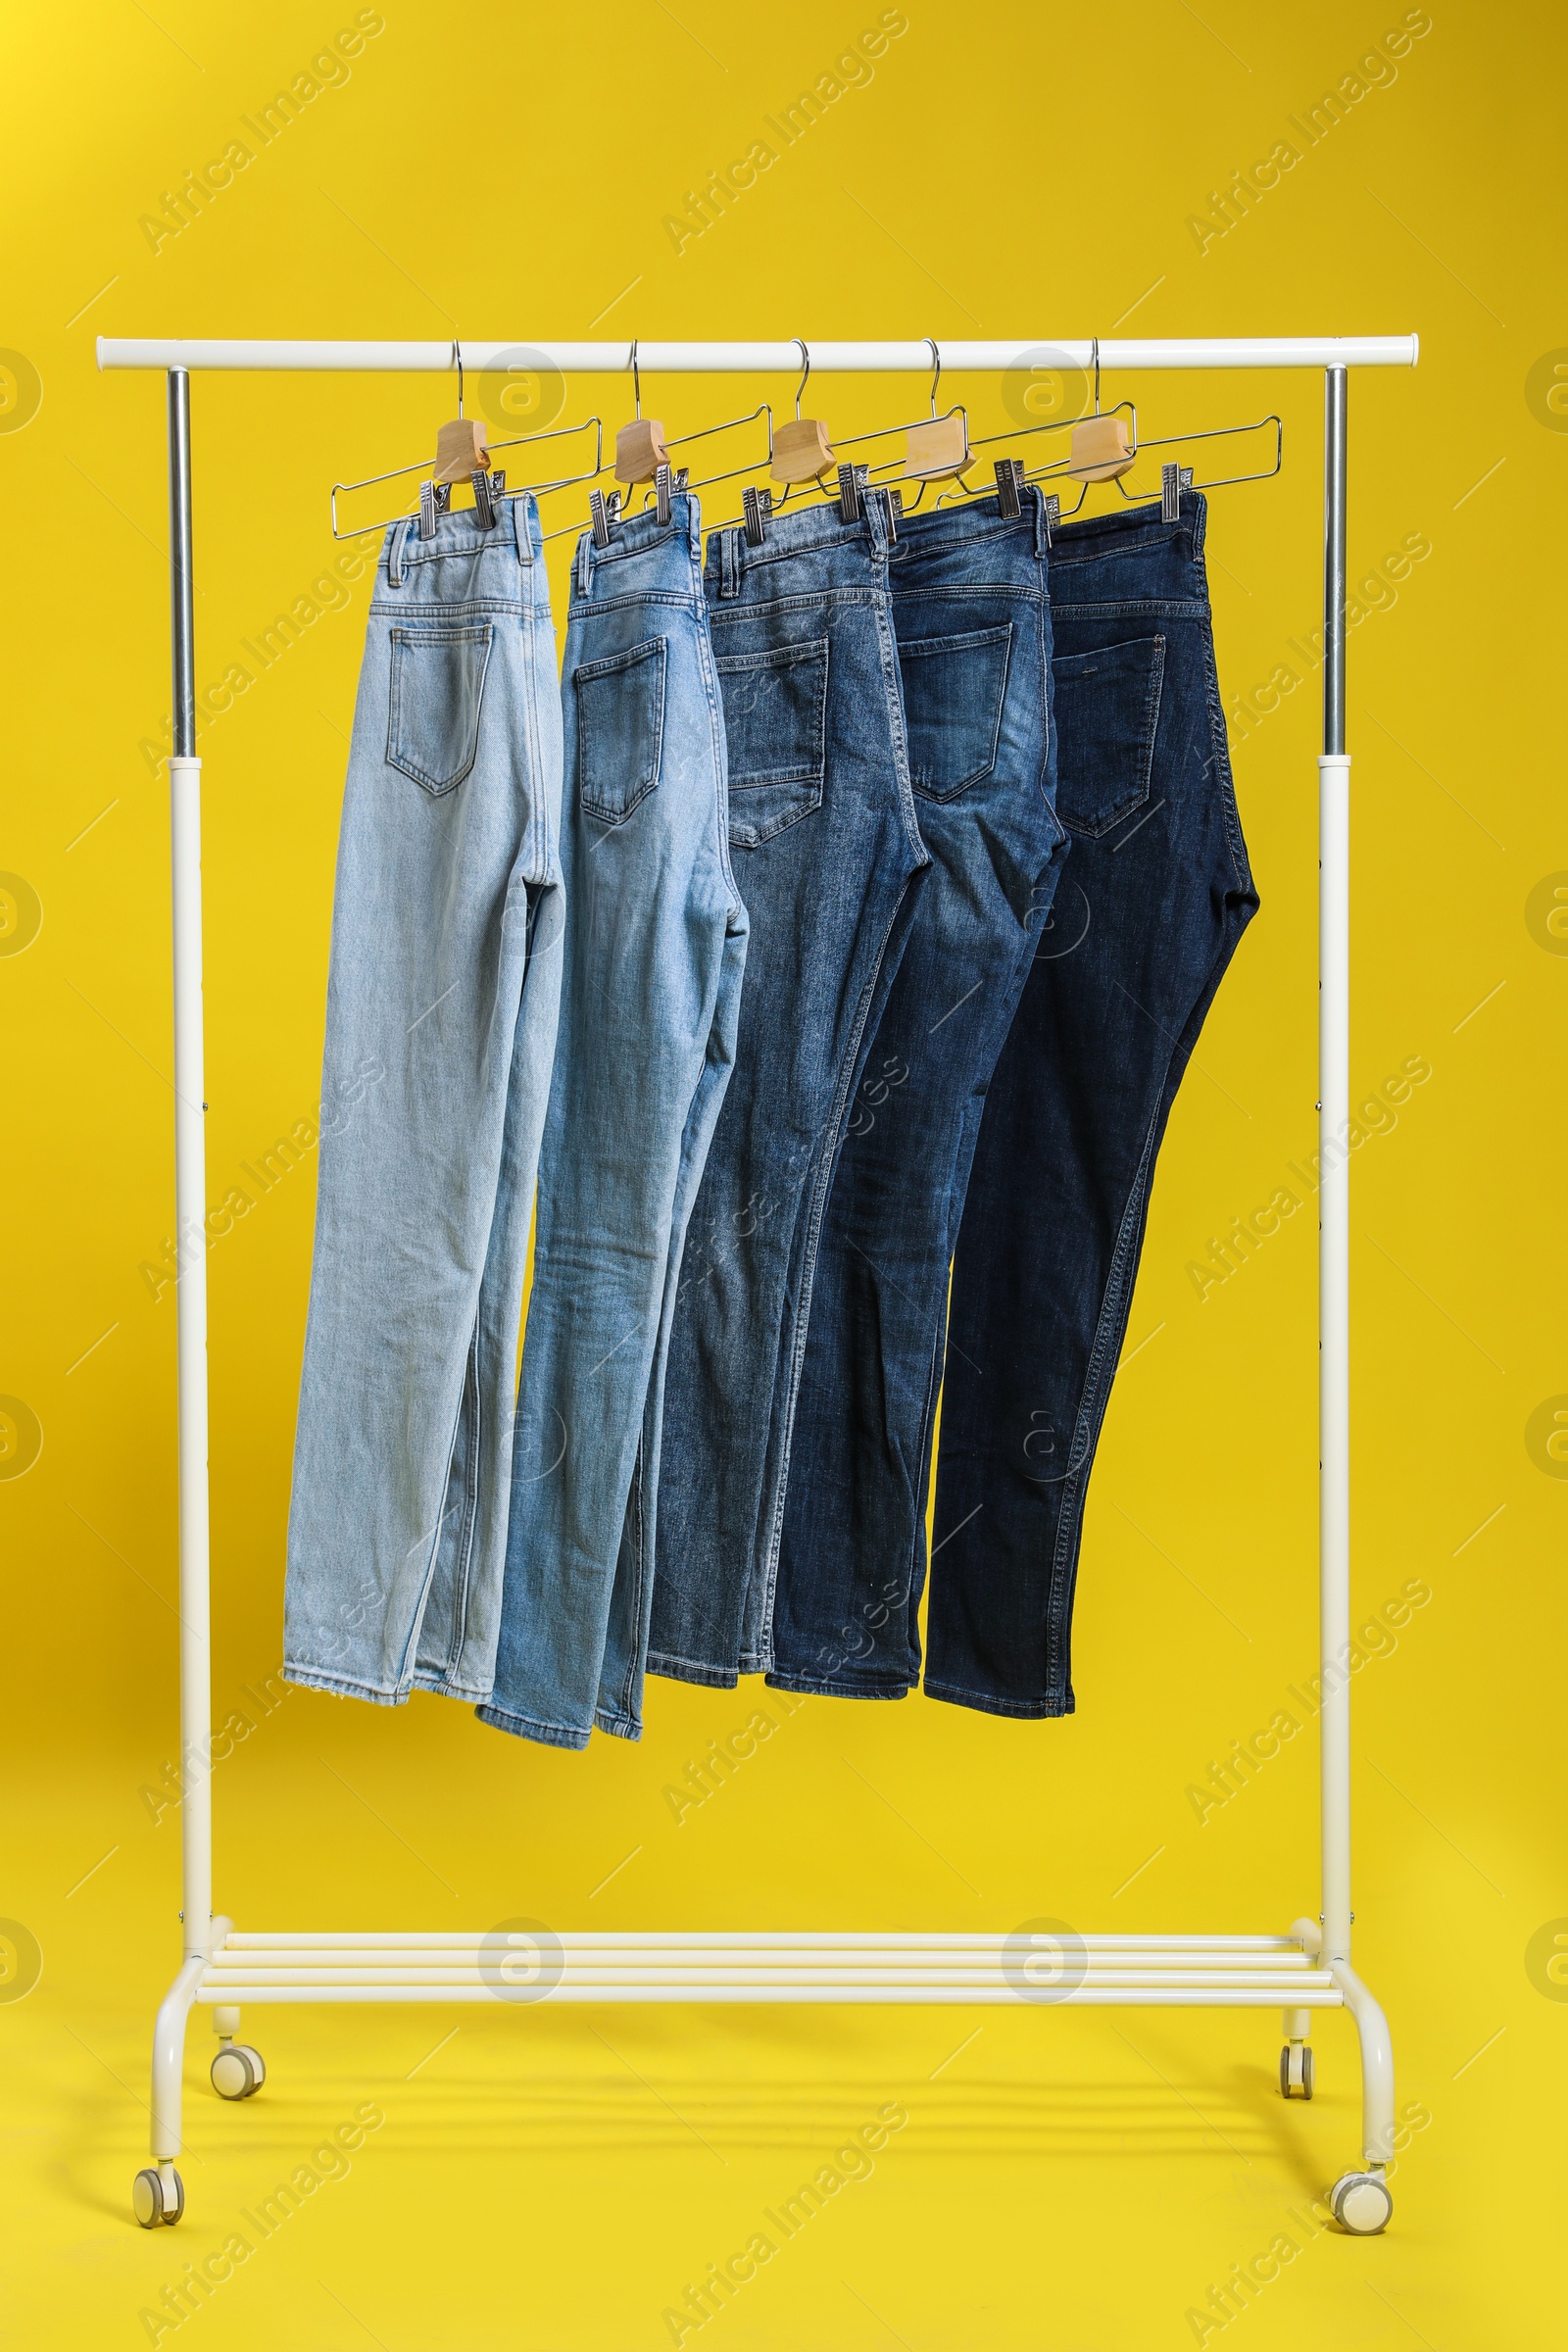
(437, 687)
(775, 721)
(953, 695)
(621, 728)
(1108, 714)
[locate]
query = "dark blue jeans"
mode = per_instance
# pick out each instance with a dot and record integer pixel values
(1156, 894)
(973, 629)
(827, 849)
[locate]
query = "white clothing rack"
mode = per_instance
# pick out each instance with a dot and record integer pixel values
(1307, 1969)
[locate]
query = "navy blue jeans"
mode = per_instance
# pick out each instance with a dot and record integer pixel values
(826, 851)
(973, 629)
(1155, 894)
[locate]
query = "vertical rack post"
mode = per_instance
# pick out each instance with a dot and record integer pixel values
(1334, 1200)
(191, 1200)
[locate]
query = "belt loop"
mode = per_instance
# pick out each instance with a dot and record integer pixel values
(1041, 541)
(694, 536)
(729, 563)
(523, 528)
(584, 573)
(877, 524)
(396, 541)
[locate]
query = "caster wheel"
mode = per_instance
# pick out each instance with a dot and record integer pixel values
(149, 2198)
(1360, 2203)
(1295, 2071)
(238, 2072)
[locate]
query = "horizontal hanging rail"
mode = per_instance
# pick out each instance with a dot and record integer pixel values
(769, 359)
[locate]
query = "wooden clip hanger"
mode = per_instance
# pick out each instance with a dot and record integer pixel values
(801, 449)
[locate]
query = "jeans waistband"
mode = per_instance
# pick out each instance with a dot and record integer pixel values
(934, 531)
(516, 530)
(814, 535)
(1136, 556)
(644, 557)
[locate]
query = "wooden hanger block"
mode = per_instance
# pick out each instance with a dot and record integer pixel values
(462, 448)
(1099, 450)
(939, 450)
(639, 451)
(802, 451)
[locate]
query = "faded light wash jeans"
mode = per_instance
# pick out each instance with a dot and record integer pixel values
(1156, 896)
(973, 628)
(655, 950)
(442, 1000)
(828, 851)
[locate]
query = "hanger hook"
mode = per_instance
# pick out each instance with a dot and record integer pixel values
(935, 379)
(806, 371)
(1094, 344)
(636, 380)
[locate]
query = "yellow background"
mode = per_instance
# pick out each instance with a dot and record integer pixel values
(1074, 2181)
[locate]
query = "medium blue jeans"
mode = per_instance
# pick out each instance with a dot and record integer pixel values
(655, 950)
(827, 849)
(973, 628)
(441, 1007)
(1157, 892)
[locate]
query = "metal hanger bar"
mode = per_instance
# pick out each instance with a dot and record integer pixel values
(765, 359)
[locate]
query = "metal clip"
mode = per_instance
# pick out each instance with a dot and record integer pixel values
(1009, 482)
(427, 510)
(895, 499)
(852, 482)
(661, 490)
(1173, 481)
(602, 513)
(484, 499)
(758, 510)
(1053, 508)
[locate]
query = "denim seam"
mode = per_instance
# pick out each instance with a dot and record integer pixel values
(410, 1656)
(1097, 1386)
(987, 1704)
(401, 638)
(1155, 608)
(960, 589)
(583, 609)
(781, 1678)
(311, 1678)
(529, 1726)
(676, 1668)
(463, 1569)
(815, 1212)
(892, 686)
(716, 728)
(611, 665)
(801, 601)
(1222, 769)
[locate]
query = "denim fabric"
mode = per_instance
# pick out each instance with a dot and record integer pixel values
(973, 629)
(1156, 896)
(826, 844)
(655, 950)
(442, 998)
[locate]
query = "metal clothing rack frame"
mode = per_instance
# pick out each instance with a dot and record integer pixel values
(1307, 1969)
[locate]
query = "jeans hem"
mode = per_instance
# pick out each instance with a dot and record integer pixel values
(954, 1694)
(426, 1678)
(308, 1678)
(692, 1670)
(620, 1726)
(524, 1727)
(820, 1688)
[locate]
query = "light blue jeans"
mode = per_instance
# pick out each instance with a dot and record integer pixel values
(655, 946)
(442, 1000)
